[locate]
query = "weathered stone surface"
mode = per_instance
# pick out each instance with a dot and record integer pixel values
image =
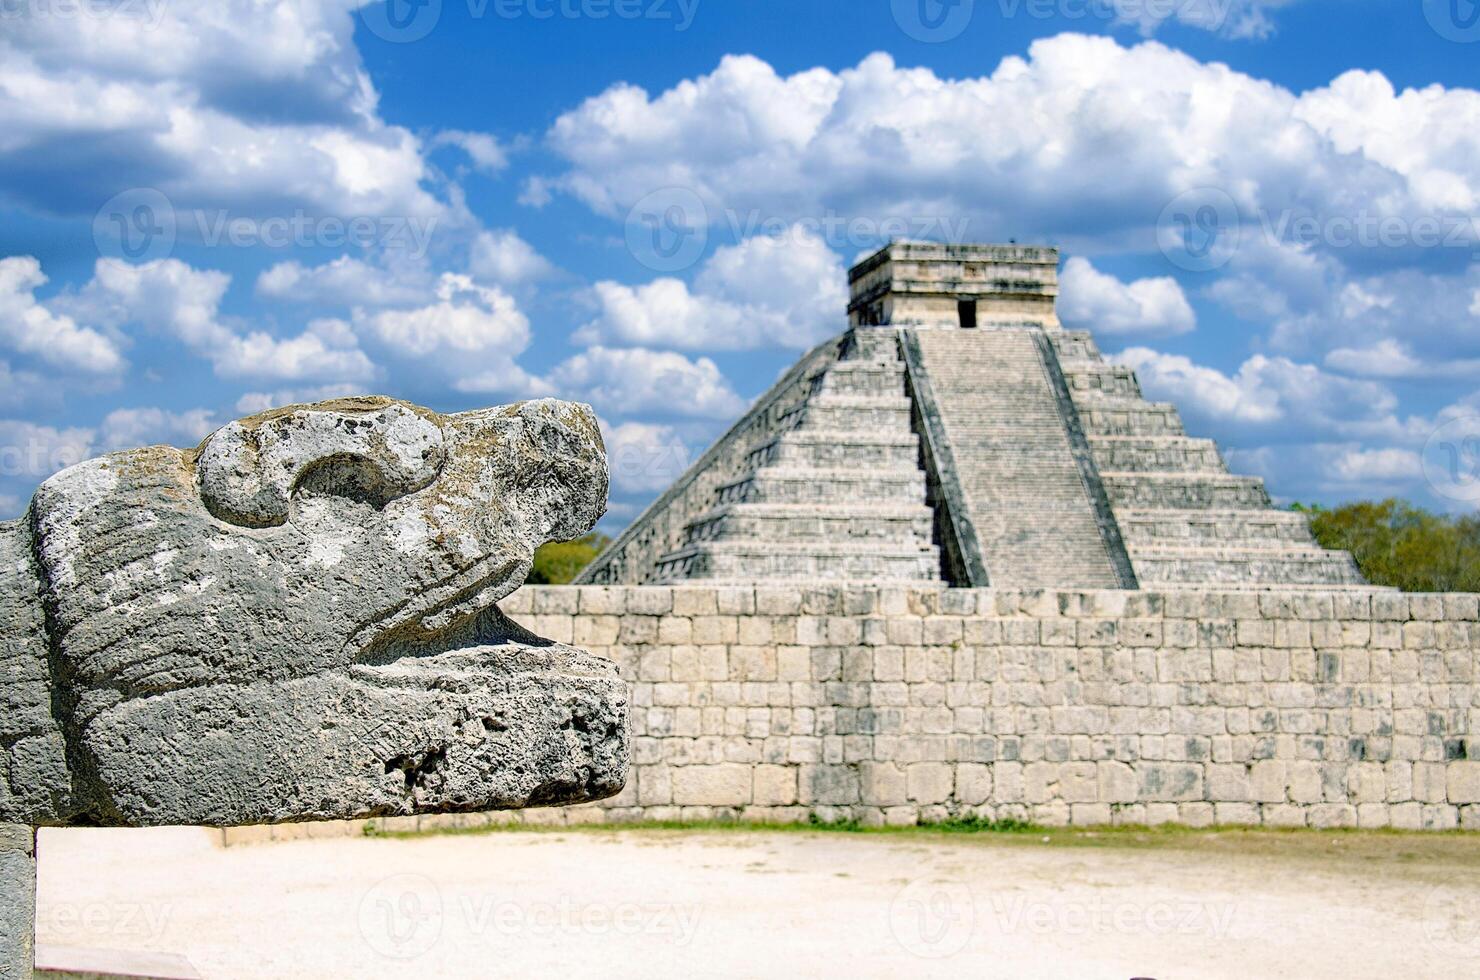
(895, 703)
(17, 901)
(298, 621)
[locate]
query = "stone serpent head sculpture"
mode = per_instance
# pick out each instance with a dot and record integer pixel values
(297, 621)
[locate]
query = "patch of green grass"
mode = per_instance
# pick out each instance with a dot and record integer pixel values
(1452, 850)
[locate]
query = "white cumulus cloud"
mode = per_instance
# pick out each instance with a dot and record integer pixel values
(636, 381)
(255, 107)
(1263, 392)
(129, 428)
(501, 256)
(172, 297)
(347, 281)
(31, 328)
(786, 291)
(1092, 300)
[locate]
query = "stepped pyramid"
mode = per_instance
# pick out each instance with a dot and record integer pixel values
(957, 433)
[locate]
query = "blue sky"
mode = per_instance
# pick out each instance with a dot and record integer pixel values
(1267, 208)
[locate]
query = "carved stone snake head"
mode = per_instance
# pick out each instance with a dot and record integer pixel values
(297, 620)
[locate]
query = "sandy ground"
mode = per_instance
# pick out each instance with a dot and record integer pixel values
(746, 904)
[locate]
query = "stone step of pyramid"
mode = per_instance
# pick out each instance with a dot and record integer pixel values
(1185, 491)
(1310, 566)
(777, 485)
(878, 344)
(898, 527)
(863, 378)
(751, 561)
(839, 449)
(1024, 493)
(1272, 529)
(1153, 454)
(1117, 417)
(1098, 379)
(1074, 345)
(826, 411)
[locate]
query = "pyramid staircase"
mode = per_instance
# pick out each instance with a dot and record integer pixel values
(1183, 517)
(834, 492)
(1024, 491)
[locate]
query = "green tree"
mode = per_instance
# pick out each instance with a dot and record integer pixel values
(558, 562)
(1398, 544)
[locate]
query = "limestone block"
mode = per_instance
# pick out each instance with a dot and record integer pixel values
(929, 782)
(1463, 782)
(1228, 783)
(725, 784)
(1079, 782)
(1269, 781)
(690, 602)
(675, 630)
(973, 783)
(1324, 816)
(1089, 814)
(775, 785)
(834, 785)
(883, 784)
(1169, 781)
(1372, 815)
(1116, 782)
(1430, 782)
(1008, 783)
(1246, 814)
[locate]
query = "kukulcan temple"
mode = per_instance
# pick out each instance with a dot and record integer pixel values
(954, 565)
(955, 433)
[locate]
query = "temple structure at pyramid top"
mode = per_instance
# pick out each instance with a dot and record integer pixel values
(955, 432)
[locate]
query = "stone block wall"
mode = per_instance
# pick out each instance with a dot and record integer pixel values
(901, 704)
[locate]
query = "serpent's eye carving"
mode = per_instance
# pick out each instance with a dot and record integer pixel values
(249, 470)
